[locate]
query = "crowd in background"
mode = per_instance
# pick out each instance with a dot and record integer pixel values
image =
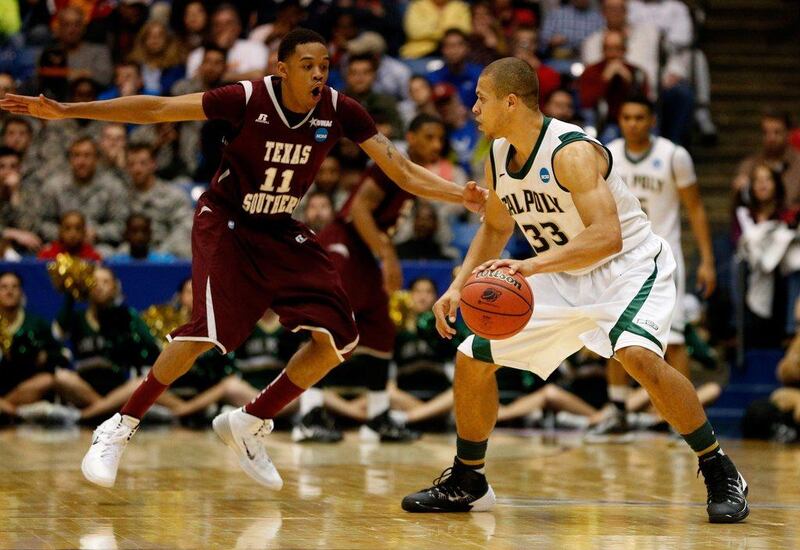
(116, 193)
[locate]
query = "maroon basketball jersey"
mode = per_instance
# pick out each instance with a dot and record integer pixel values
(268, 164)
(395, 199)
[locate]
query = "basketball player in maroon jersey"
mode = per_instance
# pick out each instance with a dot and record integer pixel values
(248, 254)
(356, 240)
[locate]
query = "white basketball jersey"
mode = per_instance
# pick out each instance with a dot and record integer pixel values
(655, 178)
(542, 208)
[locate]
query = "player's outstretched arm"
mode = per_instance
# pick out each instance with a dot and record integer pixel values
(137, 109)
(417, 180)
(489, 242)
(578, 167)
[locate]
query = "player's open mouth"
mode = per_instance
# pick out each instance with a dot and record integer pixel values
(316, 92)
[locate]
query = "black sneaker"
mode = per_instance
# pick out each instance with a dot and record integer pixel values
(727, 489)
(614, 429)
(316, 426)
(385, 429)
(458, 489)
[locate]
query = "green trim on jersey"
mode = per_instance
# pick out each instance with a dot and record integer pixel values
(482, 349)
(572, 137)
(644, 156)
(494, 168)
(528, 163)
(625, 322)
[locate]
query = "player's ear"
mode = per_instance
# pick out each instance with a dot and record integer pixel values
(283, 70)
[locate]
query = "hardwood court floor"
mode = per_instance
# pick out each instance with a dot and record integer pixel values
(182, 489)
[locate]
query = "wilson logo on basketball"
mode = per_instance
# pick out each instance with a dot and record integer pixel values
(497, 274)
(490, 295)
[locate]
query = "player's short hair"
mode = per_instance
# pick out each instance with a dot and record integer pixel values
(17, 120)
(511, 75)
(8, 152)
(774, 113)
(368, 57)
(641, 99)
(295, 38)
(140, 146)
(424, 118)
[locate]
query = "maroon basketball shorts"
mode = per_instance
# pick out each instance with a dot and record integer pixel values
(239, 272)
(363, 281)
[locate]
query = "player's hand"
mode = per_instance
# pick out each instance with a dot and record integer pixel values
(706, 279)
(40, 107)
(474, 197)
(392, 274)
(445, 310)
(524, 267)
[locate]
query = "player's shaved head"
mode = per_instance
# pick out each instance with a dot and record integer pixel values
(511, 75)
(295, 38)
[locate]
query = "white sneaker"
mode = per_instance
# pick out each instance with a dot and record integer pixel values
(245, 434)
(34, 412)
(109, 441)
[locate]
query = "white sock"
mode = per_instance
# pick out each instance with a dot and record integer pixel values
(377, 403)
(618, 394)
(310, 400)
(399, 417)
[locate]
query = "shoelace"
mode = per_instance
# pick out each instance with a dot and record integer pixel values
(445, 484)
(261, 435)
(721, 486)
(110, 439)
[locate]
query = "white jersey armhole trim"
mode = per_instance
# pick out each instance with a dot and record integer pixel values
(248, 90)
(334, 97)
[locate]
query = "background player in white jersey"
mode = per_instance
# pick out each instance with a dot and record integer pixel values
(661, 174)
(600, 277)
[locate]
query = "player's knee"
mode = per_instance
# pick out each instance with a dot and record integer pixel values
(641, 363)
(64, 377)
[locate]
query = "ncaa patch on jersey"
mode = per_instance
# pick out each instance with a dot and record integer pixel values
(544, 174)
(321, 134)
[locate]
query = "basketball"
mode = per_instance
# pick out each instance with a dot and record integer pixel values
(495, 304)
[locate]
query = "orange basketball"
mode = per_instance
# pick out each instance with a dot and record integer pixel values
(496, 304)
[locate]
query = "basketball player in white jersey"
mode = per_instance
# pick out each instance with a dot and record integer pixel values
(661, 175)
(600, 278)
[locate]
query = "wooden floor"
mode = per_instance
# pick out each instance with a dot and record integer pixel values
(182, 489)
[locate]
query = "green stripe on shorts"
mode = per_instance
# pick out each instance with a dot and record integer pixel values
(481, 349)
(625, 322)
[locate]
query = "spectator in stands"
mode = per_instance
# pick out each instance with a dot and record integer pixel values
(288, 16)
(420, 99)
(159, 56)
(209, 74)
(459, 72)
(108, 340)
(462, 132)
(30, 352)
(319, 210)
(683, 65)
(190, 24)
(776, 154)
(71, 240)
(83, 58)
(18, 135)
(604, 86)
(559, 104)
(393, 75)
(96, 195)
(510, 14)
(127, 81)
(245, 59)
(360, 79)
(168, 207)
(112, 145)
(426, 21)
(138, 243)
(15, 57)
(422, 389)
(642, 41)
(487, 42)
(523, 46)
(18, 206)
(422, 245)
(763, 199)
(565, 29)
(174, 147)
